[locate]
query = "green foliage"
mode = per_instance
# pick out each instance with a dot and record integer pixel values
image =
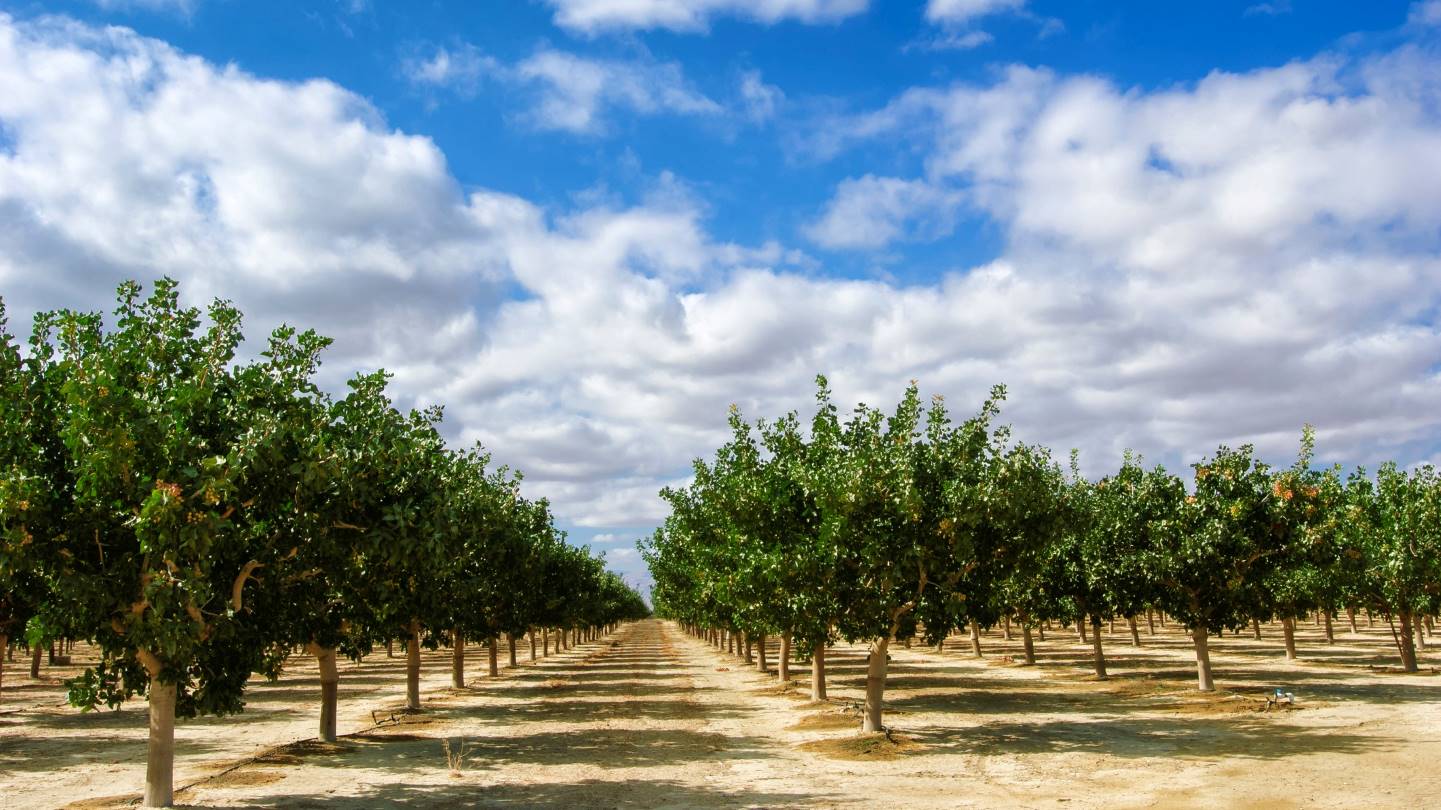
(884, 526)
(197, 518)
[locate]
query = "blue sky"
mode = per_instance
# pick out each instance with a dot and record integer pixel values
(587, 226)
(757, 177)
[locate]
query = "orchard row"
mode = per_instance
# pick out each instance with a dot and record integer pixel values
(199, 519)
(877, 528)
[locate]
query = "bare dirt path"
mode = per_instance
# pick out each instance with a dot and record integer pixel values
(652, 718)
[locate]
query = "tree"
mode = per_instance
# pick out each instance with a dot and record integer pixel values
(1110, 556)
(33, 493)
(1300, 578)
(1394, 527)
(883, 503)
(1216, 548)
(394, 478)
(160, 545)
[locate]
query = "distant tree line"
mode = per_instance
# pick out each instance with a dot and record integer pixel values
(880, 527)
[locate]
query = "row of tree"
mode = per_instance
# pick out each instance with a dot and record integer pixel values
(199, 519)
(877, 528)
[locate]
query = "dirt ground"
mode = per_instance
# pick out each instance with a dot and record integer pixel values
(650, 717)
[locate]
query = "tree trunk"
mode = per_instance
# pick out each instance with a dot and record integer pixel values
(750, 657)
(976, 639)
(532, 645)
(1028, 644)
(389, 648)
(1370, 618)
(35, 661)
(1256, 629)
(783, 663)
(1203, 660)
(761, 653)
(1351, 616)
(1006, 627)
(1330, 631)
(545, 641)
(1135, 633)
(160, 750)
(412, 668)
(1081, 630)
(492, 653)
(4, 647)
(1041, 632)
(457, 658)
(329, 689)
(1288, 627)
(510, 640)
(1097, 653)
(1150, 623)
(875, 684)
(1111, 630)
(1420, 629)
(818, 673)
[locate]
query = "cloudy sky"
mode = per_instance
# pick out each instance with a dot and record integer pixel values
(587, 226)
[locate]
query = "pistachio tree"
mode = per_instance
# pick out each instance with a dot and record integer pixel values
(162, 544)
(1215, 549)
(1394, 527)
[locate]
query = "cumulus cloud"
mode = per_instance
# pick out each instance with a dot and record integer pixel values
(574, 92)
(459, 68)
(1427, 13)
(595, 16)
(761, 100)
(872, 212)
(568, 92)
(956, 12)
(184, 7)
(1219, 261)
(128, 158)
(1274, 8)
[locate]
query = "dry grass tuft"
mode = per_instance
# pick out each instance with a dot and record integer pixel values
(455, 756)
(877, 747)
(826, 721)
(243, 778)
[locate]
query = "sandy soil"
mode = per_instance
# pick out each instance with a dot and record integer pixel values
(653, 718)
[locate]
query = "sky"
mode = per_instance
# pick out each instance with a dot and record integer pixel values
(587, 227)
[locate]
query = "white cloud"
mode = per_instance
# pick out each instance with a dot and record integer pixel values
(958, 12)
(962, 41)
(184, 7)
(595, 16)
(459, 68)
(574, 92)
(1427, 12)
(761, 100)
(872, 212)
(127, 158)
(1275, 8)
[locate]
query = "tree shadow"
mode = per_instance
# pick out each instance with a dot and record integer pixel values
(1199, 738)
(36, 754)
(635, 793)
